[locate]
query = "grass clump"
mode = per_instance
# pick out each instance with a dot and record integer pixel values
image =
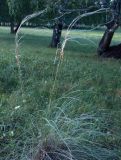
(83, 119)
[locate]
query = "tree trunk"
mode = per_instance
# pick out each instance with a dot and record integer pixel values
(57, 30)
(104, 48)
(17, 27)
(105, 42)
(12, 25)
(14, 29)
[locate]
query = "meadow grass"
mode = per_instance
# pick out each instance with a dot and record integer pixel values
(83, 120)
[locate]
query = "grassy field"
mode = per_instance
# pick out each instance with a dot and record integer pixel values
(68, 112)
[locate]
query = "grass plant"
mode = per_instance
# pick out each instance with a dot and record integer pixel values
(83, 121)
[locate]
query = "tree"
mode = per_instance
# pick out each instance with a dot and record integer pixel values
(18, 10)
(4, 14)
(104, 48)
(58, 24)
(63, 8)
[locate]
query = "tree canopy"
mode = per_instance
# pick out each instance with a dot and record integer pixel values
(16, 10)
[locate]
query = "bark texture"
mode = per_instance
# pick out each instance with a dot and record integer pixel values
(57, 30)
(13, 27)
(104, 48)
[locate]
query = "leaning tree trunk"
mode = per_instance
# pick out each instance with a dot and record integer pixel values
(17, 27)
(57, 30)
(105, 42)
(104, 48)
(14, 28)
(12, 25)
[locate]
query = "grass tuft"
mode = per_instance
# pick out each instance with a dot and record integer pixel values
(84, 118)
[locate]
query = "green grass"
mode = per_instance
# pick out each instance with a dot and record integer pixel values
(84, 117)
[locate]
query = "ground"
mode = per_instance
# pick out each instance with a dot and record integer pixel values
(75, 105)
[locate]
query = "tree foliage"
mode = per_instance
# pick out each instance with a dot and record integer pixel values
(4, 13)
(19, 9)
(55, 8)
